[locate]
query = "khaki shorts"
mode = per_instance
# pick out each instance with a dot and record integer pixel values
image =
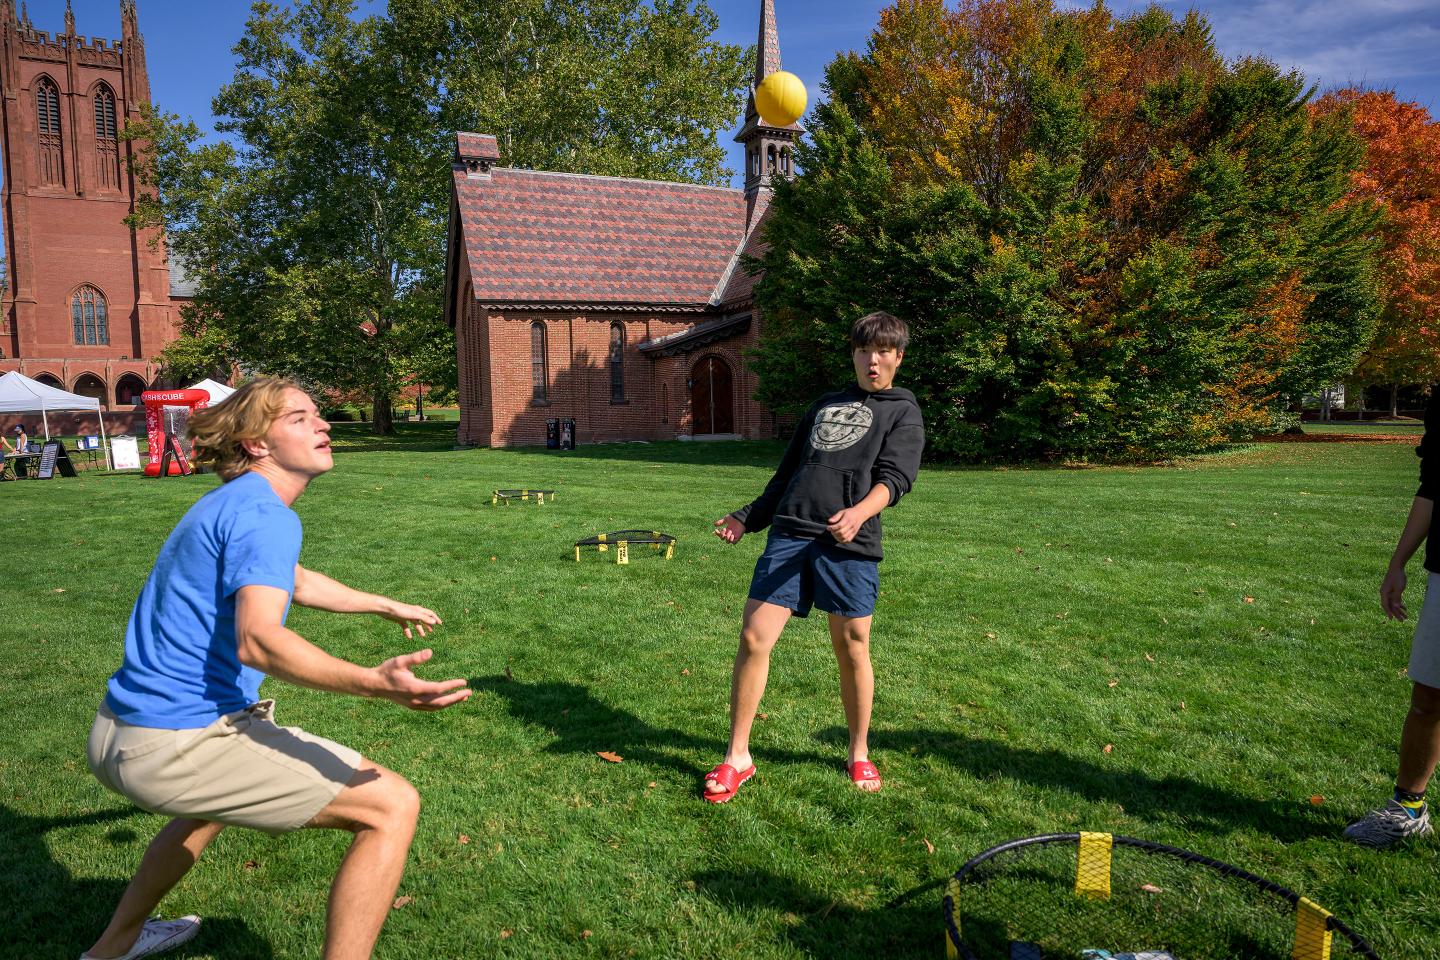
(1425, 649)
(242, 770)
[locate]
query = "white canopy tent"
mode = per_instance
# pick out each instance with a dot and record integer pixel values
(20, 394)
(217, 391)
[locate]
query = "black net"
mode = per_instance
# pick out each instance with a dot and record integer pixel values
(1080, 897)
(521, 493)
(621, 541)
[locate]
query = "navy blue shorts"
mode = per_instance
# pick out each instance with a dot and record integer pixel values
(797, 574)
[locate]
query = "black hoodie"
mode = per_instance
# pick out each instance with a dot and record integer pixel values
(1429, 454)
(848, 442)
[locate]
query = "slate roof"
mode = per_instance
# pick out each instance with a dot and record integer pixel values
(556, 239)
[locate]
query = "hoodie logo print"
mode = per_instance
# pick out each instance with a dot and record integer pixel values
(840, 426)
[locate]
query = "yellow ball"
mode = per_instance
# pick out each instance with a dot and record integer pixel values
(780, 98)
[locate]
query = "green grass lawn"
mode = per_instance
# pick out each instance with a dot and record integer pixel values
(1216, 623)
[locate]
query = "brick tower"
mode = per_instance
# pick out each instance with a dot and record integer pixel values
(87, 300)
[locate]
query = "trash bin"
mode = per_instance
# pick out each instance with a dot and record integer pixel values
(552, 434)
(567, 434)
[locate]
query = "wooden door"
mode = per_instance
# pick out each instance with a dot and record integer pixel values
(712, 397)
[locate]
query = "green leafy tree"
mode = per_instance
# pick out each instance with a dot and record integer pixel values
(1111, 243)
(316, 229)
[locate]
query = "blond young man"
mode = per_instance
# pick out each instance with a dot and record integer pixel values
(183, 731)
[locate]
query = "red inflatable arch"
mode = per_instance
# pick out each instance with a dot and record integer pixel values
(174, 407)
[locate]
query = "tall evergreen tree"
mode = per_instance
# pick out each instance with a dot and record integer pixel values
(1111, 243)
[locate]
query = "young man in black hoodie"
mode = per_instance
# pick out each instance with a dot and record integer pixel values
(1406, 814)
(855, 453)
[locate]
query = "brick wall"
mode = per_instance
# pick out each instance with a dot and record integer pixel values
(497, 386)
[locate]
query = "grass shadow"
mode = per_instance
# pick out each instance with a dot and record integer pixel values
(823, 926)
(52, 915)
(582, 723)
(1203, 807)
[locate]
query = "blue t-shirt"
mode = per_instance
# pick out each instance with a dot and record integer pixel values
(182, 665)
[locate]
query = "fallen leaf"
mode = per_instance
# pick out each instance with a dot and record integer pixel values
(685, 672)
(1149, 658)
(608, 756)
(989, 636)
(586, 934)
(492, 559)
(763, 716)
(58, 590)
(1249, 599)
(464, 838)
(929, 847)
(1109, 748)
(652, 784)
(505, 934)
(251, 864)
(402, 901)
(1316, 800)
(1151, 888)
(1113, 683)
(1182, 704)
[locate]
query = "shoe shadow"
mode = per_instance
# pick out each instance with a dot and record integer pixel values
(823, 926)
(52, 915)
(1201, 806)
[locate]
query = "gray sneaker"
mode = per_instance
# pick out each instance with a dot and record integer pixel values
(1388, 826)
(158, 935)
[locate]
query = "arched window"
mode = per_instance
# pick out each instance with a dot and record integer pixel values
(770, 160)
(128, 389)
(47, 116)
(90, 317)
(617, 362)
(50, 380)
(537, 362)
(785, 161)
(755, 163)
(107, 143)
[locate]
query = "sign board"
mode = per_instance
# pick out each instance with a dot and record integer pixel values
(124, 453)
(53, 455)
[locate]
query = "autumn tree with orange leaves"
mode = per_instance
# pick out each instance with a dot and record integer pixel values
(1402, 177)
(1111, 243)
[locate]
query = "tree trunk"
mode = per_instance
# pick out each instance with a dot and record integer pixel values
(381, 406)
(1394, 401)
(420, 402)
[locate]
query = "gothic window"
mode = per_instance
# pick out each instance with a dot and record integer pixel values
(107, 143)
(537, 362)
(755, 163)
(47, 115)
(128, 389)
(617, 362)
(770, 160)
(785, 161)
(89, 316)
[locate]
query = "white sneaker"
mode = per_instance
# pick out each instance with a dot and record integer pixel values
(1388, 826)
(157, 936)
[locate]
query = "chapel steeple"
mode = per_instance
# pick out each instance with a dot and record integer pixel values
(769, 150)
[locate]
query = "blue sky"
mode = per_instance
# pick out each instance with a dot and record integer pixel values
(1378, 43)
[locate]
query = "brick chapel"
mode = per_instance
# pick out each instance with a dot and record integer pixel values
(620, 303)
(88, 302)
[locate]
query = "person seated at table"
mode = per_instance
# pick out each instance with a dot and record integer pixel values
(21, 446)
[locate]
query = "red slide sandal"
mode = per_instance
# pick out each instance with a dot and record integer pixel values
(863, 771)
(729, 778)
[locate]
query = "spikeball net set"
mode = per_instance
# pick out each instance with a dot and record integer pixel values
(623, 540)
(506, 496)
(1095, 896)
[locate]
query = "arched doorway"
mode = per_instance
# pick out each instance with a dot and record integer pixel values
(128, 389)
(89, 385)
(50, 380)
(712, 397)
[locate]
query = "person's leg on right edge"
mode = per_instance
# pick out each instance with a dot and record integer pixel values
(380, 808)
(169, 857)
(758, 633)
(1407, 815)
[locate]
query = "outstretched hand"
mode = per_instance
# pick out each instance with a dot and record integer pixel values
(729, 529)
(412, 618)
(400, 685)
